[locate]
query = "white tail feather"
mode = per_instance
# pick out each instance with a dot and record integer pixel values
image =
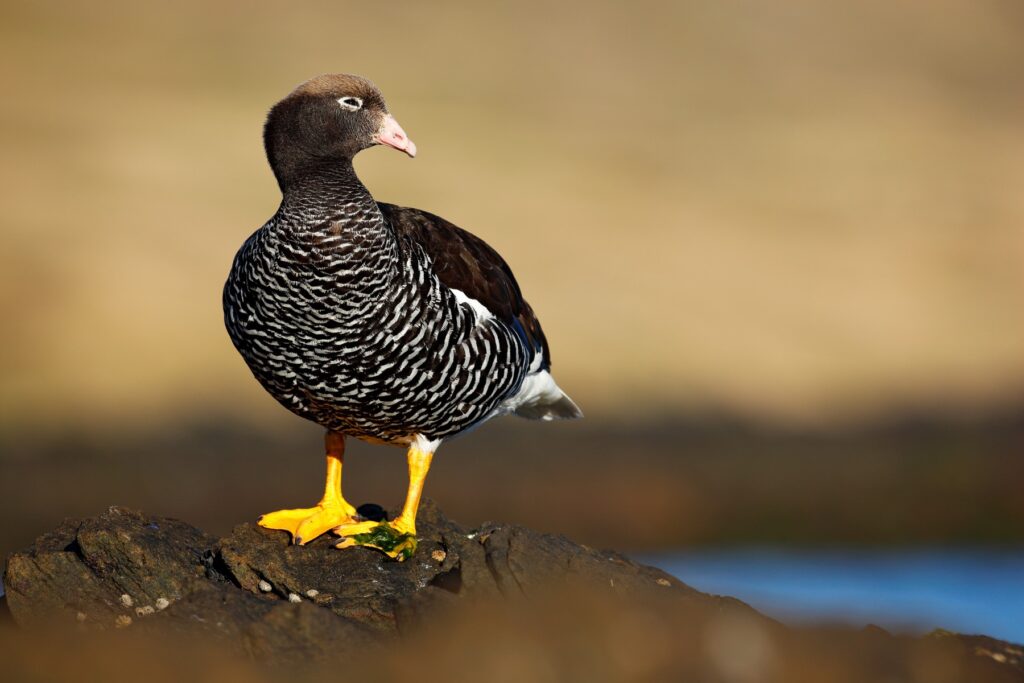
(541, 399)
(562, 409)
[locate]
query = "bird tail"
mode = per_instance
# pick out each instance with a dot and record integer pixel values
(561, 408)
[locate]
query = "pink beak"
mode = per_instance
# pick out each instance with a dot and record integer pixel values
(392, 135)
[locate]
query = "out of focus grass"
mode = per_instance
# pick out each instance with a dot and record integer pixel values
(796, 211)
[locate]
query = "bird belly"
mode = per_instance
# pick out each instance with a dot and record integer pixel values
(383, 384)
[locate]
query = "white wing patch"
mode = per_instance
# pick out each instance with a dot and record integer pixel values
(538, 360)
(481, 311)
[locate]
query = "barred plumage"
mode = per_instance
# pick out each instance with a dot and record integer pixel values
(376, 321)
(343, 320)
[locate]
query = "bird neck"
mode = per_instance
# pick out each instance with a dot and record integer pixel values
(330, 217)
(328, 185)
(329, 196)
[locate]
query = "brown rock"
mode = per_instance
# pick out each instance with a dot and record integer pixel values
(497, 591)
(88, 565)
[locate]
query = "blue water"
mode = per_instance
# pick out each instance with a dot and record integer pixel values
(974, 592)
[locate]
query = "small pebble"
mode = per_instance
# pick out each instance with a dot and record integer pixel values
(294, 597)
(664, 582)
(162, 603)
(438, 555)
(265, 586)
(80, 616)
(312, 593)
(122, 621)
(144, 610)
(126, 600)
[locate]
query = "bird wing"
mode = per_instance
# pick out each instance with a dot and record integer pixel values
(465, 262)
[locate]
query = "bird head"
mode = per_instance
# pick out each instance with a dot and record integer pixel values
(329, 118)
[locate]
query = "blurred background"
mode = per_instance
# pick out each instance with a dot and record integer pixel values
(777, 248)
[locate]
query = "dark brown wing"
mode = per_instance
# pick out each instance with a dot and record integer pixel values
(465, 262)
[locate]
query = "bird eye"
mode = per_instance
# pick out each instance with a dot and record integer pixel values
(350, 103)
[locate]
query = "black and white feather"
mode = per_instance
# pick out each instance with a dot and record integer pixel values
(382, 322)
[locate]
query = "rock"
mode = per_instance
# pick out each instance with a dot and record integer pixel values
(265, 599)
(998, 651)
(122, 565)
(103, 565)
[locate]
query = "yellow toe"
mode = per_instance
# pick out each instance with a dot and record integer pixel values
(352, 528)
(305, 524)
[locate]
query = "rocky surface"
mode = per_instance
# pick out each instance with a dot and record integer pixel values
(270, 601)
(124, 567)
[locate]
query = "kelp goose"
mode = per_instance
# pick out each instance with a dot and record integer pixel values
(380, 322)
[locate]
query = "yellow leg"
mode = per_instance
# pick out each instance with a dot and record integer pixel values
(398, 537)
(305, 524)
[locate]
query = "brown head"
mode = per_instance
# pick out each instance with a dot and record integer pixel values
(329, 119)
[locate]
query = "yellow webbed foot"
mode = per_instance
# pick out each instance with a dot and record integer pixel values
(395, 539)
(305, 524)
